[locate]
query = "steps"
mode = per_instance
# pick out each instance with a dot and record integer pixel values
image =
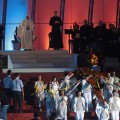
(28, 111)
(40, 60)
(42, 116)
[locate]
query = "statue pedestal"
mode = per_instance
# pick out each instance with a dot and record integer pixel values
(16, 45)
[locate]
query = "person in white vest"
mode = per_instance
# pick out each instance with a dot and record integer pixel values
(86, 90)
(114, 104)
(79, 106)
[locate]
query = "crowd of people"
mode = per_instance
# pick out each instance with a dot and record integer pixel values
(11, 89)
(82, 37)
(99, 37)
(74, 92)
(76, 95)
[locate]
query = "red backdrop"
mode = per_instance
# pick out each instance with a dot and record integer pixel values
(104, 10)
(75, 10)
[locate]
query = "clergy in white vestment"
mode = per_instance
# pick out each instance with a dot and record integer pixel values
(25, 33)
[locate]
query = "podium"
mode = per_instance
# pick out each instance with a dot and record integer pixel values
(69, 32)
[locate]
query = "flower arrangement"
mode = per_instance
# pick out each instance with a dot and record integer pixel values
(94, 60)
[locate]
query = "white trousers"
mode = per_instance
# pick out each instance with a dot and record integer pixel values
(114, 115)
(49, 112)
(79, 115)
(88, 101)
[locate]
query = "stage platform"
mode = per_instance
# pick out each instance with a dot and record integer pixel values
(40, 61)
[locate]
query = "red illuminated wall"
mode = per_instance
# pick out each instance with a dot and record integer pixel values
(104, 10)
(75, 10)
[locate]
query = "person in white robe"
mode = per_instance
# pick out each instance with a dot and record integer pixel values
(110, 81)
(55, 87)
(61, 107)
(116, 82)
(67, 86)
(72, 93)
(50, 102)
(102, 110)
(114, 104)
(87, 94)
(40, 93)
(25, 33)
(79, 106)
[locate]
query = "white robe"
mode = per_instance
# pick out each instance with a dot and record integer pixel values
(26, 36)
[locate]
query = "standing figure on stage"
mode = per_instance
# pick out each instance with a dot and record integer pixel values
(40, 94)
(25, 33)
(67, 86)
(56, 36)
(7, 82)
(110, 81)
(55, 87)
(4, 104)
(50, 102)
(114, 104)
(87, 93)
(61, 106)
(85, 32)
(79, 106)
(102, 110)
(62, 110)
(18, 93)
(116, 81)
(76, 38)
